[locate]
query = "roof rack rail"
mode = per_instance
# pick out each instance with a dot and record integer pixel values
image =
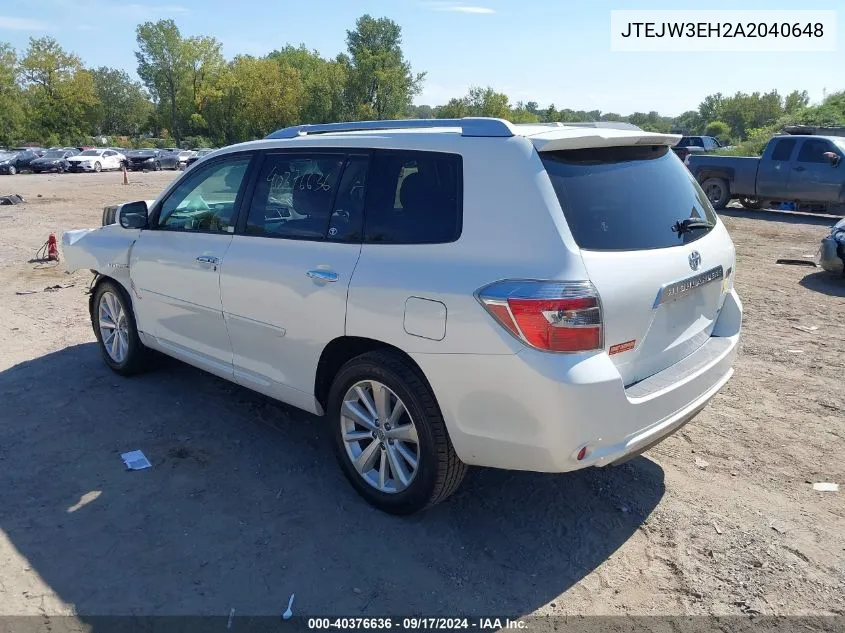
(470, 126)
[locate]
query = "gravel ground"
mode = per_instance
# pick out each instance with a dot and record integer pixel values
(244, 505)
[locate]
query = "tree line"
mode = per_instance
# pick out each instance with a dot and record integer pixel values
(190, 95)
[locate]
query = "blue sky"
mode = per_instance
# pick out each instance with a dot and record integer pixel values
(542, 50)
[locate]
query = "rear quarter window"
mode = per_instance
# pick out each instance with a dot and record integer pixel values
(414, 198)
(626, 198)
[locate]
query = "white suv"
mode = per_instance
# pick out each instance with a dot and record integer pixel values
(445, 293)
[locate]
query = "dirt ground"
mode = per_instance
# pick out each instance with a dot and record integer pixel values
(244, 504)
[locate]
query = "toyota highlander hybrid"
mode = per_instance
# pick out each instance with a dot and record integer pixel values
(446, 293)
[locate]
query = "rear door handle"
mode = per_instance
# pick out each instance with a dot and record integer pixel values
(322, 275)
(799, 168)
(208, 259)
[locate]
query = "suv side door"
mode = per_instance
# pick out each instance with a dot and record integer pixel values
(175, 264)
(814, 179)
(286, 275)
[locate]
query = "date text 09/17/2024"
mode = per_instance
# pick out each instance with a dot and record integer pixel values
(415, 623)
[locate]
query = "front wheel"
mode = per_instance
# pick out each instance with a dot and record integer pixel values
(114, 326)
(12, 170)
(389, 435)
(717, 191)
(157, 166)
(98, 167)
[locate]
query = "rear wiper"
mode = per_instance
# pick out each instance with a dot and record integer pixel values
(690, 224)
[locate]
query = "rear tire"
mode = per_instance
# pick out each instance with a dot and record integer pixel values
(157, 166)
(12, 170)
(117, 333)
(717, 191)
(438, 471)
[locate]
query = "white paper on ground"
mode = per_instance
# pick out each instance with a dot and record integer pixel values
(135, 460)
(826, 487)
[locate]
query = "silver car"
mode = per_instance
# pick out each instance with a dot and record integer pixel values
(832, 250)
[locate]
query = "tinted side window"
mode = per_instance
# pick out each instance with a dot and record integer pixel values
(812, 151)
(414, 198)
(783, 149)
(294, 195)
(205, 200)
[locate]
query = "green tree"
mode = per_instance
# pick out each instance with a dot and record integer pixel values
(60, 93)
(11, 98)
(477, 102)
(269, 96)
(687, 123)
(205, 62)
(719, 130)
(124, 108)
(795, 101)
(380, 82)
(325, 82)
(164, 67)
(710, 108)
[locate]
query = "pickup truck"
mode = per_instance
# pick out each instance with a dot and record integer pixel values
(799, 169)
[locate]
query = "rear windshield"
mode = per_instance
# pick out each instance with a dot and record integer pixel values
(627, 198)
(690, 141)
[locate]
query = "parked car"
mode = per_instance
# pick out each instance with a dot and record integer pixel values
(205, 151)
(831, 255)
(38, 151)
(16, 160)
(152, 159)
(96, 160)
(800, 169)
(184, 156)
(529, 320)
(695, 145)
(53, 160)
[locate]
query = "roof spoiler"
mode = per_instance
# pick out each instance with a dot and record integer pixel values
(611, 125)
(469, 126)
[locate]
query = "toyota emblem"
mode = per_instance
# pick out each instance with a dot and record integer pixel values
(694, 260)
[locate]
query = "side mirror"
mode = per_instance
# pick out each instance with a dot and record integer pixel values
(133, 215)
(833, 158)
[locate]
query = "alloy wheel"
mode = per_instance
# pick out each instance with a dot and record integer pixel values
(379, 436)
(114, 327)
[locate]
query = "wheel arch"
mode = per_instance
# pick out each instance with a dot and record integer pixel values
(99, 279)
(709, 172)
(343, 349)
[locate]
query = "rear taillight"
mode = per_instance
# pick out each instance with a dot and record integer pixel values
(553, 316)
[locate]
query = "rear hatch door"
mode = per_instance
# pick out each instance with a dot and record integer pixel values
(652, 246)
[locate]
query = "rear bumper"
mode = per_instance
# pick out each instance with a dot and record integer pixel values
(536, 411)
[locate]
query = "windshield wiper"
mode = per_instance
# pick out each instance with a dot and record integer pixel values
(690, 224)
